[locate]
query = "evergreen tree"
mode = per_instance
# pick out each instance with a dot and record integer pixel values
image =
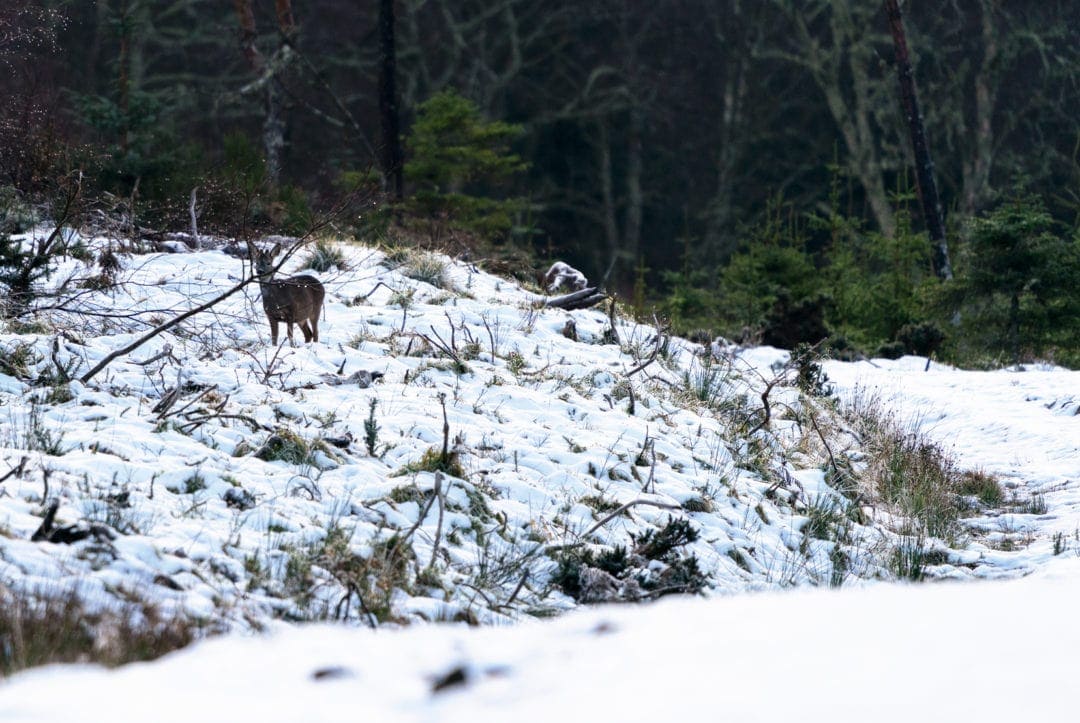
(1017, 294)
(459, 164)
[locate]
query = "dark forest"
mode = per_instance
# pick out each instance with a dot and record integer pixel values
(739, 168)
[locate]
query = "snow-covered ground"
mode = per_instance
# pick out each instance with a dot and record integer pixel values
(980, 651)
(553, 436)
(1023, 426)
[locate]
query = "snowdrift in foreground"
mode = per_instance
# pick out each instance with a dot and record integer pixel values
(946, 652)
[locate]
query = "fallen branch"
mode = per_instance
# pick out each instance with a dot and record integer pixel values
(17, 471)
(655, 352)
(109, 358)
(624, 508)
(577, 300)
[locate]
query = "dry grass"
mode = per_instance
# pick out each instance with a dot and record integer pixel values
(38, 630)
(912, 474)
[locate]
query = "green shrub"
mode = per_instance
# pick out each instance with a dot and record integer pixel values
(983, 486)
(1015, 285)
(372, 579)
(285, 446)
(921, 338)
(628, 573)
(459, 165)
(139, 145)
(877, 284)
(771, 263)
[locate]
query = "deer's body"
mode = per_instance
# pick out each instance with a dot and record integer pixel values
(294, 300)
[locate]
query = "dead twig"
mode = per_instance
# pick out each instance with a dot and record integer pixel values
(619, 511)
(16, 471)
(655, 352)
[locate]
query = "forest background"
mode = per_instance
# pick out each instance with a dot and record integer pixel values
(737, 168)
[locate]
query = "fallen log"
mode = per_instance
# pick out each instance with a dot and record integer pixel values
(582, 299)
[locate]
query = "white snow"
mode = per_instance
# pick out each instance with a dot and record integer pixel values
(550, 441)
(986, 651)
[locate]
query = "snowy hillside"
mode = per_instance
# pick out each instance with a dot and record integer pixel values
(214, 478)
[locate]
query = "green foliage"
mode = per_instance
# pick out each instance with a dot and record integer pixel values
(654, 565)
(371, 429)
(17, 358)
(372, 579)
(690, 304)
(286, 446)
(908, 558)
(239, 198)
(661, 544)
(1016, 285)
(773, 265)
(139, 145)
(459, 163)
(195, 483)
(433, 460)
(427, 267)
(983, 486)
(38, 436)
(243, 166)
(825, 515)
(25, 262)
(810, 378)
(878, 284)
(705, 380)
(909, 472)
(16, 215)
(289, 210)
(921, 338)
(20, 267)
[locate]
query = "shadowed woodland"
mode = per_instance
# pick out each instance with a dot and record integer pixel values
(742, 169)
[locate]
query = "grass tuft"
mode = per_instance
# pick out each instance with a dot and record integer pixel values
(325, 256)
(42, 630)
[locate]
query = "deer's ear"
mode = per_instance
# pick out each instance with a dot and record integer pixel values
(276, 250)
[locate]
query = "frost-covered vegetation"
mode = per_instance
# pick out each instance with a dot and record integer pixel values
(443, 453)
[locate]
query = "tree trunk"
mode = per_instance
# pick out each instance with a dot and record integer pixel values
(607, 191)
(273, 135)
(720, 212)
(123, 75)
(1014, 327)
(631, 246)
(976, 168)
(924, 167)
(391, 153)
(839, 62)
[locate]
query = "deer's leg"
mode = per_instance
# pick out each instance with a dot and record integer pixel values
(315, 328)
(307, 331)
(273, 331)
(288, 328)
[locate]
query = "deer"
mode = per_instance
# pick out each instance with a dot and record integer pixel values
(294, 300)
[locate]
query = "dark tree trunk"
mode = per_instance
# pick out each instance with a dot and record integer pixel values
(391, 155)
(1014, 327)
(924, 167)
(273, 136)
(273, 132)
(123, 79)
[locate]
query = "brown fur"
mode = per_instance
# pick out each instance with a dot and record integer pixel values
(295, 300)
